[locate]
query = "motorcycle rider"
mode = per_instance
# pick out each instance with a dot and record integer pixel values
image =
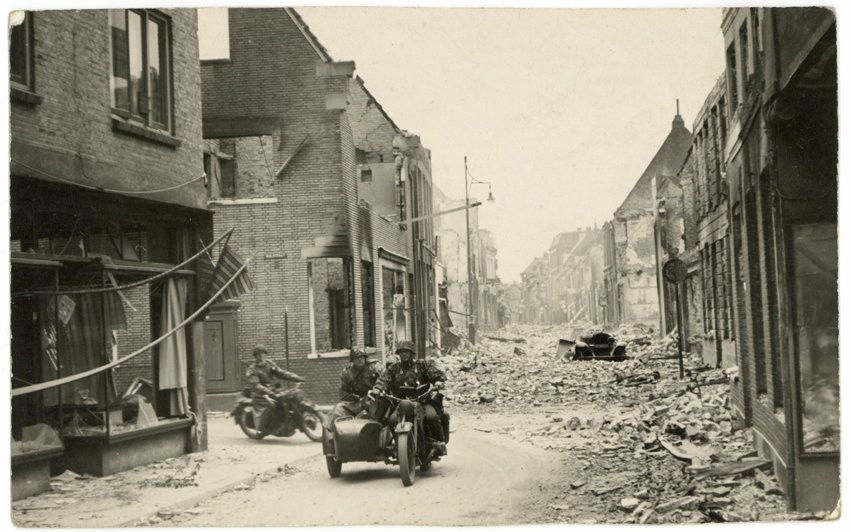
(412, 370)
(264, 376)
(355, 382)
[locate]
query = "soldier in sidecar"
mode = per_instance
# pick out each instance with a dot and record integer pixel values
(399, 427)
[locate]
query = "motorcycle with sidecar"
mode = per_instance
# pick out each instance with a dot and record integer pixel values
(372, 437)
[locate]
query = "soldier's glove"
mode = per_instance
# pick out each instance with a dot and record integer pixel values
(372, 393)
(439, 385)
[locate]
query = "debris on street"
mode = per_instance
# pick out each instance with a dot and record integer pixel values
(656, 449)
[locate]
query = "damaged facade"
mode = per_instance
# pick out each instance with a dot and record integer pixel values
(631, 263)
(107, 189)
(319, 182)
(781, 167)
(486, 292)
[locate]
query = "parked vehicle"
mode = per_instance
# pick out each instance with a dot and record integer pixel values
(375, 439)
(259, 417)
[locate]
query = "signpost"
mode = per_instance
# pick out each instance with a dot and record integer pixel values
(676, 272)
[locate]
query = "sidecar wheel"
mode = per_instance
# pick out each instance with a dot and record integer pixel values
(311, 423)
(407, 458)
(334, 466)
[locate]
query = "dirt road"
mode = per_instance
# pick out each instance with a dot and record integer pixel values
(487, 479)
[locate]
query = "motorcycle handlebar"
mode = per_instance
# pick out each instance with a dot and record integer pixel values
(417, 398)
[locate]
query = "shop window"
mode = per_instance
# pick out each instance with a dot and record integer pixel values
(329, 284)
(141, 73)
(394, 296)
(814, 256)
(368, 281)
(21, 50)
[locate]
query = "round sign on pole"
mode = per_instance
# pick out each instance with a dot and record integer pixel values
(675, 271)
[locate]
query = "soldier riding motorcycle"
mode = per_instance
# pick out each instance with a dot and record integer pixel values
(267, 408)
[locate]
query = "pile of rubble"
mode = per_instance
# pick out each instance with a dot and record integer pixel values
(655, 448)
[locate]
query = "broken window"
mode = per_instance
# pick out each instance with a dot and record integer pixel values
(395, 309)
(732, 78)
(329, 282)
(368, 280)
(227, 168)
(814, 257)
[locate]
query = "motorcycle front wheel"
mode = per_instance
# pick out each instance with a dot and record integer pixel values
(311, 423)
(407, 458)
(246, 423)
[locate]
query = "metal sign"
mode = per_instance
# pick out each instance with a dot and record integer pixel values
(675, 271)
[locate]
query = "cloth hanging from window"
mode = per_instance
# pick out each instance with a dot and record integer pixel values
(75, 343)
(173, 375)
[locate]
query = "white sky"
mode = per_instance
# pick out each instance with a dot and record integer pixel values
(561, 109)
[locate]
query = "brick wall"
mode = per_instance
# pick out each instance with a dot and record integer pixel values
(316, 194)
(70, 133)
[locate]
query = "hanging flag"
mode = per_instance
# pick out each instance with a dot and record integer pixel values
(205, 271)
(228, 264)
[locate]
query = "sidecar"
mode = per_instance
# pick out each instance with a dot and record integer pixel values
(355, 439)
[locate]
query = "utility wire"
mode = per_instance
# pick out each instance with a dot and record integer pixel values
(109, 190)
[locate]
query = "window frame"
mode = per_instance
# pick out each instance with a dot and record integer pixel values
(28, 84)
(166, 64)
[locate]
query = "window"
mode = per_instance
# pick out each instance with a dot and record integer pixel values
(20, 50)
(227, 168)
(732, 78)
(814, 256)
(745, 58)
(368, 280)
(330, 303)
(394, 307)
(141, 73)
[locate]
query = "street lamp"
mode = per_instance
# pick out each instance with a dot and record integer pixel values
(471, 315)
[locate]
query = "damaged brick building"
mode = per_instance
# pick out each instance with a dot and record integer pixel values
(318, 181)
(631, 285)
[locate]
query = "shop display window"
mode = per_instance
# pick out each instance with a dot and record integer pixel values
(814, 255)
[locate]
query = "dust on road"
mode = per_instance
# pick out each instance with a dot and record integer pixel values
(487, 479)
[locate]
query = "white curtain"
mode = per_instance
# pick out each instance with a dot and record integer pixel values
(172, 350)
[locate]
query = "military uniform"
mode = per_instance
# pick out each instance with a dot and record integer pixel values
(265, 379)
(354, 384)
(415, 372)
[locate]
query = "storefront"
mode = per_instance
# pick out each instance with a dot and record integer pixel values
(70, 249)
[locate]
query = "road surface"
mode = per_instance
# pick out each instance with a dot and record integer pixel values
(486, 479)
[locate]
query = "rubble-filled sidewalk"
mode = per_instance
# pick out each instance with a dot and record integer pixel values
(640, 445)
(146, 495)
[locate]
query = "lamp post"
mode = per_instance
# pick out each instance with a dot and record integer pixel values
(471, 315)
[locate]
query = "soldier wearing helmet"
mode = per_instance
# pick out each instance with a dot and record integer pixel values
(410, 370)
(265, 378)
(355, 382)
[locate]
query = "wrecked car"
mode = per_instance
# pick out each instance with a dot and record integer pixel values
(598, 346)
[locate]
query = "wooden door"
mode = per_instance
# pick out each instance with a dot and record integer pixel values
(222, 358)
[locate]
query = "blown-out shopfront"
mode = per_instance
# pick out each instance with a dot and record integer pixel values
(96, 277)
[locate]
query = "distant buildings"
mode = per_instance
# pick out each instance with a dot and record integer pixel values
(486, 286)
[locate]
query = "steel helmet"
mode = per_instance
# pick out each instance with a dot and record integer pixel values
(405, 345)
(259, 348)
(354, 353)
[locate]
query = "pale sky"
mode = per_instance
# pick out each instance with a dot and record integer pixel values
(561, 109)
